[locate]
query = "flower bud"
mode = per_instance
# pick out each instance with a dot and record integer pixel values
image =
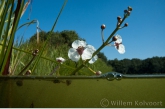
(127, 12)
(28, 72)
(60, 60)
(118, 18)
(120, 21)
(36, 51)
(102, 26)
(114, 38)
(34, 54)
(126, 24)
(98, 73)
(129, 8)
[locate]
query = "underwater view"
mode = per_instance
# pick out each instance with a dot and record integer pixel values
(82, 54)
(82, 92)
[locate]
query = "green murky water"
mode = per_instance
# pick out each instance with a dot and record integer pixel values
(91, 93)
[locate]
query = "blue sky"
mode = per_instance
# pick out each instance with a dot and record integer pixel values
(143, 38)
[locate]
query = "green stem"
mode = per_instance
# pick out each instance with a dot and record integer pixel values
(37, 59)
(91, 70)
(26, 66)
(55, 70)
(52, 60)
(2, 8)
(5, 38)
(15, 24)
(4, 14)
(58, 71)
(102, 35)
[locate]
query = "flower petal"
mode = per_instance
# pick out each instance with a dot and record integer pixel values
(60, 59)
(121, 49)
(78, 43)
(73, 54)
(119, 39)
(92, 49)
(87, 54)
(93, 59)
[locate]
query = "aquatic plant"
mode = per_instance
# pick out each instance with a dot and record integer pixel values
(81, 53)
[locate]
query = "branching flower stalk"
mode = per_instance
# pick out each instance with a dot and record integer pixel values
(108, 41)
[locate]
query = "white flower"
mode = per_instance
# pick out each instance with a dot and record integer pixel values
(81, 49)
(60, 60)
(118, 45)
(93, 59)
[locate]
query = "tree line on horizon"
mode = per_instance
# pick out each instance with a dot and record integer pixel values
(154, 65)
